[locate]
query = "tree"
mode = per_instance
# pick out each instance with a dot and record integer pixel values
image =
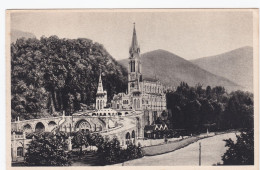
(239, 110)
(80, 140)
(240, 152)
(47, 151)
(53, 72)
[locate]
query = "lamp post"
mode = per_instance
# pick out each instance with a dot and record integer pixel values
(199, 154)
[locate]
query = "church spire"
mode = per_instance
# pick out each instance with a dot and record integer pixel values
(100, 85)
(134, 48)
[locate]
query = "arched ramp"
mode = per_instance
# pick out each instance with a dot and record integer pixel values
(39, 127)
(27, 128)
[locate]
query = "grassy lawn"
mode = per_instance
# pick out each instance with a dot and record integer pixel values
(169, 147)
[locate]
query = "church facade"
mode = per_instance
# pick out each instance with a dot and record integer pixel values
(144, 94)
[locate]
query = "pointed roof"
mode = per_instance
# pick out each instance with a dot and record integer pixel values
(100, 85)
(134, 45)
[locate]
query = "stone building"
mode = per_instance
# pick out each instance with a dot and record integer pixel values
(144, 94)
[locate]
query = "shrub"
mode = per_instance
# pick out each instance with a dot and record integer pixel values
(47, 151)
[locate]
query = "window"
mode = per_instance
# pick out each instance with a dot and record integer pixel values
(138, 103)
(20, 151)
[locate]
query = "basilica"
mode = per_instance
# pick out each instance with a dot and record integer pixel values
(146, 95)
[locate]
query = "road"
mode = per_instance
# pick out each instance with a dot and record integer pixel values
(212, 150)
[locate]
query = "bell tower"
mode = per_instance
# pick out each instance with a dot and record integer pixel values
(134, 65)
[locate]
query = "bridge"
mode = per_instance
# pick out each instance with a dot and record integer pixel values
(65, 123)
(126, 126)
(107, 121)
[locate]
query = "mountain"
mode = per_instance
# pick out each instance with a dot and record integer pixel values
(236, 65)
(171, 69)
(16, 34)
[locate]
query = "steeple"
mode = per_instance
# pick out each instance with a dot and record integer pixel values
(100, 85)
(101, 96)
(134, 65)
(134, 48)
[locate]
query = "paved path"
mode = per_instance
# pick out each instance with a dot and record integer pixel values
(212, 150)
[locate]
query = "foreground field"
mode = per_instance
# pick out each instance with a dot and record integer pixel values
(212, 150)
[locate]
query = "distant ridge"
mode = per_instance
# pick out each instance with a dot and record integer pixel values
(235, 65)
(15, 34)
(172, 69)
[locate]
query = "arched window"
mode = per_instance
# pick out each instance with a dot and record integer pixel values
(100, 104)
(19, 151)
(138, 103)
(127, 137)
(132, 66)
(134, 103)
(133, 134)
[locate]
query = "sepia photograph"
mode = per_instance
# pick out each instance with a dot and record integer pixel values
(132, 87)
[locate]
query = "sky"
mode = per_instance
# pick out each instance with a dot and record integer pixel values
(190, 34)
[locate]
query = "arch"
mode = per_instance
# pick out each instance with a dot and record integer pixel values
(133, 134)
(119, 114)
(104, 114)
(27, 128)
(39, 127)
(134, 103)
(82, 125)
(138, 103)
(127, 135)
(127, 138)
(126, 113)
(138, 126)
(100, 104)
(20, 152)
(51, 124)
(93, 114)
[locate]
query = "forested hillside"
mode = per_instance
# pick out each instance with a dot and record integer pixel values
(51, 75)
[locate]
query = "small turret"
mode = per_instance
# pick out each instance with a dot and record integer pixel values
(101, 96)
